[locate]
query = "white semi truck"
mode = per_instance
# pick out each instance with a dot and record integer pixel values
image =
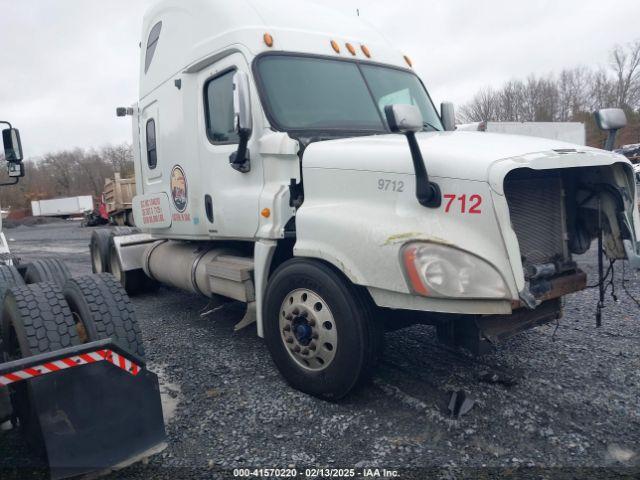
(289, 157)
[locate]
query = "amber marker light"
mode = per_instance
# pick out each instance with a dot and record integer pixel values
(268, 40)
(266, 213)
(408, 60)
(366, 51)
(335, 46)
(409, 257)
(352, 50)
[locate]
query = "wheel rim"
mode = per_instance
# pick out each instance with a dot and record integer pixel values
(308, 329)
(95, 258)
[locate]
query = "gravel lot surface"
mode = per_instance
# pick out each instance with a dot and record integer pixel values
(574, 410)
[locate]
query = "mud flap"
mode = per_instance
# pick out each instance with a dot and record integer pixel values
(95, 417)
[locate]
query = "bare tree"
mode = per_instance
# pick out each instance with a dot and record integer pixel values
(626, 66)
(572, 95)
(484, 107)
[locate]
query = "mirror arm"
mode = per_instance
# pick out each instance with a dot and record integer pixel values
(241, 159)
(611, 140)
(427, 193)
(6, 184)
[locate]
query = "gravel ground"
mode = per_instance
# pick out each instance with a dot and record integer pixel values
(573, 412)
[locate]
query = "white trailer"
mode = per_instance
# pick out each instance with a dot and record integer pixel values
(290, 158)
(62, 207)
(571, 132)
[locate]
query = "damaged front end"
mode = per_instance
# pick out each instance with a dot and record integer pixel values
(556, 213)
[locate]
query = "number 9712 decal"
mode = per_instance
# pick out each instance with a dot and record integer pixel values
(465, 204)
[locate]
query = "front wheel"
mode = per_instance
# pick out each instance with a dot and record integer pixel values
(320, 329)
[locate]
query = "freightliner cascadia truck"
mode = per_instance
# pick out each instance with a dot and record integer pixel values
(290, 158)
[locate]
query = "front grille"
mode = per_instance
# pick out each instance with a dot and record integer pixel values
(536, 208)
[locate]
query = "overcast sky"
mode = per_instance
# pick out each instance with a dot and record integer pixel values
(66, 64)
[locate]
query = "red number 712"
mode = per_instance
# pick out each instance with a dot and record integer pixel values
(474, 203)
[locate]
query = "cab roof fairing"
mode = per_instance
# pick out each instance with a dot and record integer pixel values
(197, 30)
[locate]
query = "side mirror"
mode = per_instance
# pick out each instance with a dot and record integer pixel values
(12, 145)
(407, 120)
(448, 114)
(404, 118)
(611, 120)
(16, 170)
(242, 122)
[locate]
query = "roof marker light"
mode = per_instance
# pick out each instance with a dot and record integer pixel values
(366, 51)
(268, 40)
(335, 46)
(408, 60)
(351, 49)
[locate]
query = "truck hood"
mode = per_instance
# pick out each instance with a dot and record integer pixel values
(464, 155)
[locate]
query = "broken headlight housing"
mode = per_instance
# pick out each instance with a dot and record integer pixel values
(434, 270)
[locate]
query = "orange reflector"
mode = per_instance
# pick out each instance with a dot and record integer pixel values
(366, 51)
(408, 60)
(409, 255)
(268, 40)
(335, 46)
(352, 50)
(266, 213)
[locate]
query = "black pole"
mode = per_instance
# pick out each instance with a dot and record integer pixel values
(427, 193)
(600, 268)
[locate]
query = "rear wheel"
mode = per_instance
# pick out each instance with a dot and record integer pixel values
(133, 281)
(105, 310)
(99, 247)
(47, 270)
(35, 319)
(130, 220)
(320, 329)
(9, 278)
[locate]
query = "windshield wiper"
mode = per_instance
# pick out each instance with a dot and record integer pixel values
(427, 124)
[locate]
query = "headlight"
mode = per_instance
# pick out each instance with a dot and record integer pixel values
(434, 270)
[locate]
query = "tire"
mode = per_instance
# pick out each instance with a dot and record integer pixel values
(9, 278)
(331, 303)
(124, 231)
(105, 310)
(134, 282)
(130, 220)
(35, 319)
(47, 270)
(99, 247)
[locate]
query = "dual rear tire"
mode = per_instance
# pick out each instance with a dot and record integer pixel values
(104, 259)
(45, 317)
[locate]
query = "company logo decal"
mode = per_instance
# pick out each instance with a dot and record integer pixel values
(179, 189)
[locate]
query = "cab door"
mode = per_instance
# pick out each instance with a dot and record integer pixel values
(230, 198)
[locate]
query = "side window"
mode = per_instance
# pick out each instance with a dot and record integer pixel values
(152, 154)
(152, 43)
(218, 97)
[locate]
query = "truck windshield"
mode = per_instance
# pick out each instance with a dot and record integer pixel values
(318, 94)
